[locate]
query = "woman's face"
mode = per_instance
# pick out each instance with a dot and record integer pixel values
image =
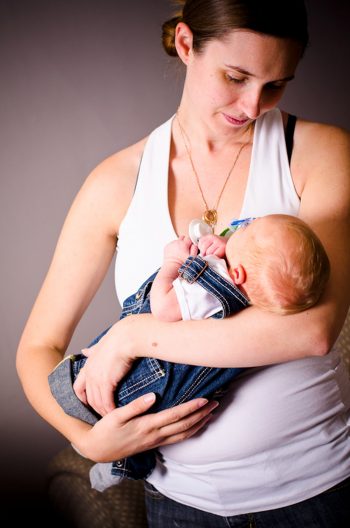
(238, 78)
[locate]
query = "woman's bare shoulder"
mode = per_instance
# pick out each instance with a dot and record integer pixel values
(320, 151)
(322, 147)
(122, 166)
(317, 132)
(112, 182)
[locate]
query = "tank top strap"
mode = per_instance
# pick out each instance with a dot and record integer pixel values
(154, 166)
(289, 133)
(270, 188)
(146, 227)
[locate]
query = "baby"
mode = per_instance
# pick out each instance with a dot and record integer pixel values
(275, 263)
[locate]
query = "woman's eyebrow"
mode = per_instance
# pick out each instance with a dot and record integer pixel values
(245, 72)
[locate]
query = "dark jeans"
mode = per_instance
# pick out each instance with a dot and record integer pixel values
(330, 509)
(173, 383)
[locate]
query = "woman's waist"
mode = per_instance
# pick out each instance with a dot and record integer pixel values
(281, 405)
(266, 481)
(281, 436)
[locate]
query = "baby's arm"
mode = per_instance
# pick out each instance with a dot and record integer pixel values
(164, 303)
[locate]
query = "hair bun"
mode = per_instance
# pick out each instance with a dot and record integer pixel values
(168, 35)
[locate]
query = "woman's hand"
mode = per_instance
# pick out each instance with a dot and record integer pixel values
(124, 431)
(105, 367)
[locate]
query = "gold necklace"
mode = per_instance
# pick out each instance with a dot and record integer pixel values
(210, 215)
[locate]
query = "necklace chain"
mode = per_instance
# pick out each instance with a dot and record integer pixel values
(210, 215)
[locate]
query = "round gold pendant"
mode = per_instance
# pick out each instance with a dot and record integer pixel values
(210, 217)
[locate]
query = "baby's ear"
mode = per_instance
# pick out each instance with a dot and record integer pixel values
(238, 274)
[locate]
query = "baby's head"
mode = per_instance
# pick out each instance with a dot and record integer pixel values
(279, 262)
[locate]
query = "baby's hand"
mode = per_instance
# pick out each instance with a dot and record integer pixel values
(212, 245)
(178, 250)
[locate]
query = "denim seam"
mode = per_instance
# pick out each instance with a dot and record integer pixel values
(191, 271)
(203, 374)
(221, 281)
(157, 373)
(154, 364)
(134, 307)
(139, 385)
(225, 304)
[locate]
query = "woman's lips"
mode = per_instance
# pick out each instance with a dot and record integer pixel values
(235, 121)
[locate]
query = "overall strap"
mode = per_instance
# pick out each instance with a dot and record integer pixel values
(196, 269)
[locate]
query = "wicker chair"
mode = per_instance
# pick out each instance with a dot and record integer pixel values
(72, 499)
(70, 494)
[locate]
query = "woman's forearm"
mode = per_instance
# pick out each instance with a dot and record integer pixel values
(250, 338)
(122, 432)
(34, 364)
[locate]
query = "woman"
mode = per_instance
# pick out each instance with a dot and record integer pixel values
(280, 441)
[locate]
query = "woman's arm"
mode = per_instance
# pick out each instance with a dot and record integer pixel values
(83, 253)
(252, 337)
(322, 167)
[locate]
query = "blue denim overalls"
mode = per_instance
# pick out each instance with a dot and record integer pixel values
(173, 383)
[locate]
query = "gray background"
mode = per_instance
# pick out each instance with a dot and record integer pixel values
(81, 79)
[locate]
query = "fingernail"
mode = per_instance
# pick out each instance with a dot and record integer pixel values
(149, 397)
(202, 402)
(214, 404)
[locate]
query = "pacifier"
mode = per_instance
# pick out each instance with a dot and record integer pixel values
(197, 229)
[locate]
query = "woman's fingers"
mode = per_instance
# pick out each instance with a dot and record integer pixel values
(79, 387)
(169, 421)
(100, 398)
(180, 437)
(168, 426)
(180, 412)
(136, 407)
(107, 397)
(176, 422)
(93, 395)
(128, 430)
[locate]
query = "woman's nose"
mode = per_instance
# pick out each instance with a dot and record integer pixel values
(251, 103)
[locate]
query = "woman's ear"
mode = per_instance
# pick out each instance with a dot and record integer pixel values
(183, 42)
(238, 274)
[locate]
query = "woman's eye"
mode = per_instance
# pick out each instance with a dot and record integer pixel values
(235, 80)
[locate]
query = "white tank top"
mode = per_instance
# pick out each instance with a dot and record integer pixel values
(282, 433)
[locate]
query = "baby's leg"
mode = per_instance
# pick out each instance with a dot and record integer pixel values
(61, 382)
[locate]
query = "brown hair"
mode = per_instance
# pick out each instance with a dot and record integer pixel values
(213, 19)
(289, 281)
